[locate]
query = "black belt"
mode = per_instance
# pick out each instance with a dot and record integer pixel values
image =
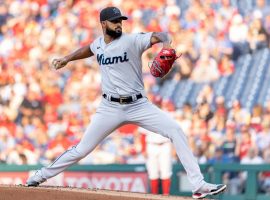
(123, 100)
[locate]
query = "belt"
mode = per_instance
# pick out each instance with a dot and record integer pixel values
(123, 100)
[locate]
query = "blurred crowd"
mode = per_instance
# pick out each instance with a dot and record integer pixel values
(43, 112)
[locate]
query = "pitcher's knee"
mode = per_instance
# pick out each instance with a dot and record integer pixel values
(78, 153)
(175, 133)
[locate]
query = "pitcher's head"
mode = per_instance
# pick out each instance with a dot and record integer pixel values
(111, 21)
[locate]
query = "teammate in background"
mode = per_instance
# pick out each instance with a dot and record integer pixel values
(158, 158)
(158, 161)
(119, 57)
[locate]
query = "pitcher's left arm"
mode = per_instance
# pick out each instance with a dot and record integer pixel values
(161, 37)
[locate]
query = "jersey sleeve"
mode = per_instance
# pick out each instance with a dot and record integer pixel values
(142, 41)
(92, 47)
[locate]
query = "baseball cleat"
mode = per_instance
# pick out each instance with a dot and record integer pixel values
(35, 180)
(209, 189)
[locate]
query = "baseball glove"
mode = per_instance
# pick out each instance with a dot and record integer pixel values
(163, 62)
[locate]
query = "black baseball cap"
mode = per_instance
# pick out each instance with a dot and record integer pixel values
(110, 14)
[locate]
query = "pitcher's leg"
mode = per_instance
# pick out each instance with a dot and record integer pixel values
(152, 118)
(99, 128)
(102, 124)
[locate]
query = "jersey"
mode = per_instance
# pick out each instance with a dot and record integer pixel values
(120, 63)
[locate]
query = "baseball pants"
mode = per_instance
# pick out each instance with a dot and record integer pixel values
(111, 115)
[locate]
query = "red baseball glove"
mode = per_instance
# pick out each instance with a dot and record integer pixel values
(163, 62)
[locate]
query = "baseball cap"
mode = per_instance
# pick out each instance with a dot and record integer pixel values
(110, 14)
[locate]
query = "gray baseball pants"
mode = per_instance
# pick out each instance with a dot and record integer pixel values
(111, 115)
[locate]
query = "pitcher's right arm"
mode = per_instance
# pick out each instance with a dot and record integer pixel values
(81, 53)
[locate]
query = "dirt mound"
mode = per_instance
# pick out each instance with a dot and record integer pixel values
(11, 192)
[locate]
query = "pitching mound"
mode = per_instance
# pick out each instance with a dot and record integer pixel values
(10, 192)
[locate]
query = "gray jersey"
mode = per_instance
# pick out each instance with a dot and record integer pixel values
(120, 63)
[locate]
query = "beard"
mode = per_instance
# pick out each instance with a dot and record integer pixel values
(114, 33)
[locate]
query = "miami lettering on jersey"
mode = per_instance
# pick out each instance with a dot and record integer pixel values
(111, 60)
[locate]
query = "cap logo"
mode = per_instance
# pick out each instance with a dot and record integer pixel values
(116, 11)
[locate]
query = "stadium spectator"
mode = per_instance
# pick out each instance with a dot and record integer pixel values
(229, 142)
(227, 10)
(219, 157)
(244, 143)
(238, 114)
(238, 33)
(226, 65)
(256, 118)
(31, 105)
(206, 69)
(262, 138)
(205, 112)
(217, 127)
(206, 95)
(223, 46)
(257, 37)
(252, 157)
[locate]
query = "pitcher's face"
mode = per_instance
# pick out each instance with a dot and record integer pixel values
(113, 28)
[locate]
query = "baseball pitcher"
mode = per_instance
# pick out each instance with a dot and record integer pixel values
(124, 99)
